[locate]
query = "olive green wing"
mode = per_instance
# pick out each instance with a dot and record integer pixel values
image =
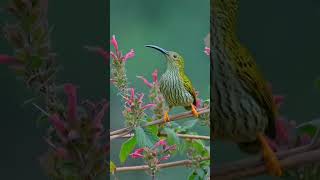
(249, 74)
(188, 86)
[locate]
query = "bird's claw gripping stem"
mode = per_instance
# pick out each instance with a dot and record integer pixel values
(166, 117)
(194, 111)
(271, 160)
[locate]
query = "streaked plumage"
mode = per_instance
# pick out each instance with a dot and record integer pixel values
(243, 102)
(175, 86)
(243, 109)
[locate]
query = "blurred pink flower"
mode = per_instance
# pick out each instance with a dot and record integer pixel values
(282, 131)
(59, 126)
(5, 59)
(155, 76)
(140, 98)
(161, 142)
(132, 95)
(71, 92)
(104, 54)
(113, 55)
(145, 81)
(114, 43)
(198, 101)
(278, 99)
(129, 55)
(207, 51)
(170, 148)
(137, 153)
(61, 153)
(98, 118)
(101, 52)
(148, 106)
(166, 157)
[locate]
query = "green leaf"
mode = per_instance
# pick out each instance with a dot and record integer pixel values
(142, 139)
(154, 129)
(126, 148)
(152, 135)
(309, 129)
(113, 167)
(189, 124)
(183, 146)
(193, 175)
(172, 137)
(199, 146)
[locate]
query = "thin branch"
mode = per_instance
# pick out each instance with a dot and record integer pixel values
(161, 121)
(160, 166)
(186, 136)
(255, 166)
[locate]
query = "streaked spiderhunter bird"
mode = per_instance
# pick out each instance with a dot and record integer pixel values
(175, 85)
(243, 109)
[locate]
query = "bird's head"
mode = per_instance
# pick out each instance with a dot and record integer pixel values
(174, 60)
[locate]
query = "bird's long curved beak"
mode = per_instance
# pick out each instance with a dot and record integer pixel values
(158, 48)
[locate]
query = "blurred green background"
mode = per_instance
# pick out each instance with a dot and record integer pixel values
(283, 36)
(179, 26)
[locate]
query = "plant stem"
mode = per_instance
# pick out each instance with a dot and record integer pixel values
(186, 136)
(254, 166)
(160, 121)
(160, 166)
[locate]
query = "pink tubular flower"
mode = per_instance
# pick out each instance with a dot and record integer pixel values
(58, 124)
(100, 115)
(129, 55)
(113, 55)
(5, 59)
(114, 43)
(166, 157)
(137, 153)
(140, 98)
(145, 81)
(132, 94)
(71, 92)
(161, 142)
(104, 54)
(61, 153)
(148, 106)
(170, 148)
(278, 99)
(155, 76)
(207, 51)
(282, 130)
(198, 103)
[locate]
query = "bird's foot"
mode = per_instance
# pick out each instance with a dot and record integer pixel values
(166, 117)
(271, 161)
(194, 111)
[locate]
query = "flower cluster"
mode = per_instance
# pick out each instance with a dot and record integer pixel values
(160, 151)
(33, 59)
(118, 71)
(75, 136)
(155, 95)
(134, 108)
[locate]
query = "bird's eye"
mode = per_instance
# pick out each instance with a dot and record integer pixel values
(174, 56)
